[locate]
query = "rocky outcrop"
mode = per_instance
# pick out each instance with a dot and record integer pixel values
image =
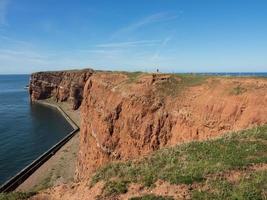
(61, 85)
(127, 115)
(124, 118)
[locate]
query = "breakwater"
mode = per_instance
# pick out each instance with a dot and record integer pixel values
(20, 177)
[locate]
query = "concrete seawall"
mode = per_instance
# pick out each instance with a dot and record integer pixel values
(20, 177)
(70, 121)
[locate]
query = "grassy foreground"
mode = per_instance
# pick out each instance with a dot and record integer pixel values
(16, 196)
(193, 164)
(202, 166)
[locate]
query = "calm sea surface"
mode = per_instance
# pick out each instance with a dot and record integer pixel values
(26, 131)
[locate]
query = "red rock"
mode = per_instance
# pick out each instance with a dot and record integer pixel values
(61, 85)
(124, 119)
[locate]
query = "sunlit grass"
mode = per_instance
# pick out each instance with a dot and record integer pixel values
(189, 163)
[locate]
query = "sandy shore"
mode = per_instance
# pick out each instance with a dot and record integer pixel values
(61, 167)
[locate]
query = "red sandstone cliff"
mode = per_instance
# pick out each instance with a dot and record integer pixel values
(61, 85)
(123, 118)
(126, 115)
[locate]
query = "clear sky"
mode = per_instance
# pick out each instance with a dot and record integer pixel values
(172, 35)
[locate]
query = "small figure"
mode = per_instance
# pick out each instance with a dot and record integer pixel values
(157, 70)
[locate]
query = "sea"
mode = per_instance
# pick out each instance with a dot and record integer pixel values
(236, 74)
(26, 130)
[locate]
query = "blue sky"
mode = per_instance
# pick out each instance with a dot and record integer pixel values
(172, 35)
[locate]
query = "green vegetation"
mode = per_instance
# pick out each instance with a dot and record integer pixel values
(238, 90)
(251, 186)
(189, 163)
(115, 187)
(174, 84)
(16, 196)
(151, 197)
(45, 183)
(133, 76)
(178, 82)
(192, 79)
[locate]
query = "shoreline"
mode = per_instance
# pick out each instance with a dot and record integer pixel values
(33, 177)
(59, 109)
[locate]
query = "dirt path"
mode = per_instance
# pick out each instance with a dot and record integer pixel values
(61, 167)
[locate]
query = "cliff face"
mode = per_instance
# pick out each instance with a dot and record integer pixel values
(124, 116)
(61, 85)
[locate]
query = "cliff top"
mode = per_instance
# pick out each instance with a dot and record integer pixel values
(64, 71)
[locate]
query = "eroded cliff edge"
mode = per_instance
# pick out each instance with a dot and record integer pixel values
(125, 115)
(128, 115)
(59, 85)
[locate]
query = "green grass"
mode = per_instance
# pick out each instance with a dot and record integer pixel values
(251, 186)
(151, 197)
(191, 162)
(173, 86)
(115, 187)
(238, 90)
(45, 183)
(16, 196)
(133, 76)
(177, 83)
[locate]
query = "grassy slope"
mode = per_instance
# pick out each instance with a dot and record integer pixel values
(193, 163)
(252, 185)
(179, 82)
(175, 84)
(16, 196)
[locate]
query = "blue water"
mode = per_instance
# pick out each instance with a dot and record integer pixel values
(26, 131)
(256, 74)
(236, 74)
